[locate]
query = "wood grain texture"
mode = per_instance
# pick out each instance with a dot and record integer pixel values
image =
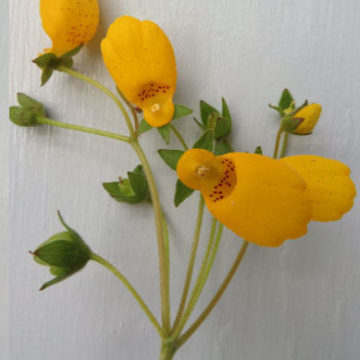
(298, 302)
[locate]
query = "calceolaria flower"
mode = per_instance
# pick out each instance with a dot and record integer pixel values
(65, 253)
(141, 60)
(69, 23)
(267, 201)
(309, 116)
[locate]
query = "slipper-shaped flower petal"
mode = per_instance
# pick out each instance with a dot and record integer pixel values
(141, 60)
(69, 23)
(328, 185)
(260, 199)
(310, 115)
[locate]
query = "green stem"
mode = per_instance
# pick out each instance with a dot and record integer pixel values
(284, 145)
(194, 295)
(43, 120)
(105, 90)
(167, 245)
(164, 273)
(277, 143)
(131, 289)
(179, 136)
(191, 263)
(216, 298)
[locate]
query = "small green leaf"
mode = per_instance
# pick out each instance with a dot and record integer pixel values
(27, 101)
(143, 127)
(222, 127)
(206, 110)
(170, 157)
(182, 192)
(139, 183)
(225, 109)
(285, 100)
(206, 141)
(258, 150)
(181, 111)
(164, 131)
(222, 147)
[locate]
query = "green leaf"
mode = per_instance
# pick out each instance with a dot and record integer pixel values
(181, 111)
(182, 192)
(206, 110)
(170, 157)
(164, 131)
(206, 141)
(222, 127)
(133, 190)
(285, 100)
(258, 150)
(143, 127)
(222, 147)
(225, 109)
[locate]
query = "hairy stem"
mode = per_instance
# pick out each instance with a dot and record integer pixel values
(216, 298)
(43, 120)
(191, 263)
(131, 289)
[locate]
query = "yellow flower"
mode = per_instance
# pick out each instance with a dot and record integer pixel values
(311, 115)
(267, 201)
(69, 23)
(141, 61)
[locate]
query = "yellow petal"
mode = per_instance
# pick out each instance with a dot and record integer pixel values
(311, 115)
(141, 60)
(69, 23)
(328, 185)
(256, 197)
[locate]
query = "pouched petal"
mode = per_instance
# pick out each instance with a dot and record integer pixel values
(310, 115)
(258, 198)
(69, 23)
(141, 60)
(328, 185)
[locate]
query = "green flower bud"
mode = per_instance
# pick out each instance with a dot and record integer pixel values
(28, 111)
(65, 253)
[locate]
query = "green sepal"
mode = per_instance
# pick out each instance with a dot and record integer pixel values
(286, 100)
(199, 124)
(206, 110)
(206, 141)
(225, 109)
(64, 253)
(181, 111)
(143, 127)
(49, 62)
(165, 131)
(222, 147)
(26, 114)
(170, 157)
(182, 192)
(222, 127)
(131, 190)
(279, 110)
(289, 124)
(258, 150)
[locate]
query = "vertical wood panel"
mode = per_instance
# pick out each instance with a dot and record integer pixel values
(298, 302)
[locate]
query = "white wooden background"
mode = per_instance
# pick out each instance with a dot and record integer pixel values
(297, 302)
